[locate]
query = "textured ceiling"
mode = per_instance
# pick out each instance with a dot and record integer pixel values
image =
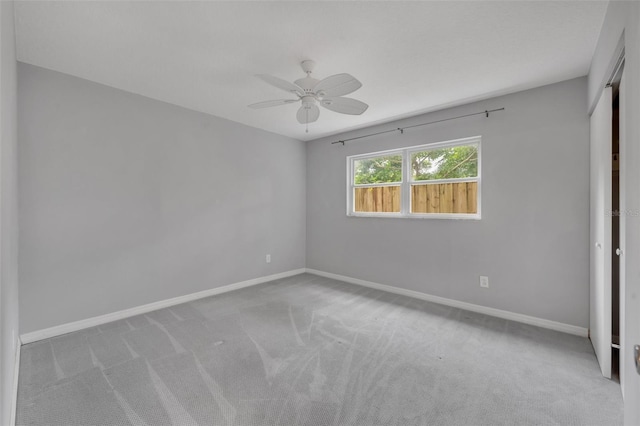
(411, 57)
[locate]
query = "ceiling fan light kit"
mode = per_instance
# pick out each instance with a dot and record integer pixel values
(329, 93)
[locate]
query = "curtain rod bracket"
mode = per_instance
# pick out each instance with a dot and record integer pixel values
(486, 112)
(401, 130)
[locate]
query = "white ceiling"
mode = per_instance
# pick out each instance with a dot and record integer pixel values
(411, 57)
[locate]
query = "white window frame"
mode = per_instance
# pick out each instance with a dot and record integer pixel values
(407, 182)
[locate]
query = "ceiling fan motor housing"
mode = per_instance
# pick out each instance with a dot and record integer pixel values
(308, 100)
(307, 84)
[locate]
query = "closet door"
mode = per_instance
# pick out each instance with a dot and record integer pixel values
(600, 280)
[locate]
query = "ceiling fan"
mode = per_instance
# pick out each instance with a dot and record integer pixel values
(311, 92)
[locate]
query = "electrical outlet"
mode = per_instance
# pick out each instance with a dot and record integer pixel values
(484, 282)
(267, 258)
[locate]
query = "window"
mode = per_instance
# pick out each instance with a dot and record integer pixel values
(440, 180)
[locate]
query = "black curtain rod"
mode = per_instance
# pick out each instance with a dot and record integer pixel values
(402, 129)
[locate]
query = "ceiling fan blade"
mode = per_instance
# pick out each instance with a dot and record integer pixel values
(338, 85)
(267, 104)
(282, 84)
(344, 105)
(308, 113)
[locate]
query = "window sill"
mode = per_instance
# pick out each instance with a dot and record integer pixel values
(454, 216)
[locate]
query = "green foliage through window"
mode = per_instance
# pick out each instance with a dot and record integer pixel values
(445, 163)
(378, 170)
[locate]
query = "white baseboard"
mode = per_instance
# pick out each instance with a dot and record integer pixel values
(14, 387)
(114, 316)
(58, 330)
(526, 319)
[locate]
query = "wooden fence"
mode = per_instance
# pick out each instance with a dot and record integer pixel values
(459, 197)
(378, 199)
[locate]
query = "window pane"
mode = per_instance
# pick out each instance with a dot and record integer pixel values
(445, 163)
(379, 199)
(455, 197)
(378, 170)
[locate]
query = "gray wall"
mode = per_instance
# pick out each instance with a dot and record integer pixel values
(532, 241)
(8, 210)
(124, 200)
(624, 17)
